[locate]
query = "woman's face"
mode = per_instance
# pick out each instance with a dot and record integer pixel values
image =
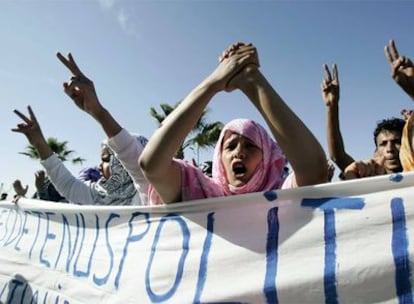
(105, 159)
(240, 158)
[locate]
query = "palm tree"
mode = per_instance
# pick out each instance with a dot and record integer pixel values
(203, 135)
(60, 148)
(167, 109)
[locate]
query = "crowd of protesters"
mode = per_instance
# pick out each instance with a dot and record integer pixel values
(139, 171)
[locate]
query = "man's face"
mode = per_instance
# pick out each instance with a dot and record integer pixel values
(388, 146)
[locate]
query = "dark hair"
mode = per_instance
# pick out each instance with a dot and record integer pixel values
(391, 124)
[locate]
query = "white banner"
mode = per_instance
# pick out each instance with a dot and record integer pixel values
(345, 242)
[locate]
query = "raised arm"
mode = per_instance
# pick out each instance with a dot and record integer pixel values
(402, 69)
(31, 129)
(82, 91)
(157, 157)
(127, 148)
(330, 95)
(18, 188)
(67, 184)
(290, 132)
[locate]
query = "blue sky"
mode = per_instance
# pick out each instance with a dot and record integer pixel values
(143, 53)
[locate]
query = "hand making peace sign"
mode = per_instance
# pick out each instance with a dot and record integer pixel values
(330, 86)
(402, 68)
(80, 88)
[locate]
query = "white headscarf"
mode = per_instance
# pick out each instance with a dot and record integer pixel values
(118, 189)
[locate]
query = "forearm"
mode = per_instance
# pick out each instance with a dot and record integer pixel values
(66, 184)
(334, 137)
(42, 147)
(166, 140)
(289, 131)
(110, 126)
(42, 190)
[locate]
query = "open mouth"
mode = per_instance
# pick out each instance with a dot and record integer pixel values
(239, 169)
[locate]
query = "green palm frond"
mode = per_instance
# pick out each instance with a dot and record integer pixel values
(60, 148)
(203, 135)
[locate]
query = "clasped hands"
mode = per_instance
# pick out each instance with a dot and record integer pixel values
(251, 64)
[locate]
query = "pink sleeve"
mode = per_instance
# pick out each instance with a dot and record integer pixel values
(194, 185)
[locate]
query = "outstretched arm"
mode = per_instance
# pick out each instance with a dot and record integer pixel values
(330, 95)
(290, 132)
(402, 69)
(31, 129)
(366, 168)
(127, 148)
(157, 158)
(68, 185)
(82, 91)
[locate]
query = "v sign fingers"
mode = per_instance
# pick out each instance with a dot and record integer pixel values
(394, 51)
(22, 116)
(335, 72)
(70, 64)
(402, 69)
(80, 88)
(330, 86)
(328, 76)
(30, 127)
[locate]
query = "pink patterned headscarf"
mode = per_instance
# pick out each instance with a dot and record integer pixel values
(269, 173)
(268, 176)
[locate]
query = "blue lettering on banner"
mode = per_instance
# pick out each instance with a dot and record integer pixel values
(400, 252)
(202, 273)
(329, 278)
(328, 205)
(36, 297)
(270, 195)
(77, 273)
(24, 292)
(6, 224)
(130, 238)
(66, 231)
(269, 289)
(11, 239)
(396, 178)
(186, 238)
(80, 273)
(13, 296)
(49, 236)
(102, 281)
(24, 230)
(37, 232)
(20, 291)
